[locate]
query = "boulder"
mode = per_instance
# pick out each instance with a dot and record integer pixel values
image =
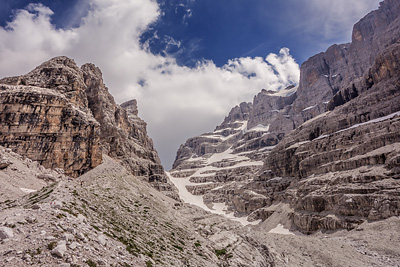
(6, 233)
(60, 249)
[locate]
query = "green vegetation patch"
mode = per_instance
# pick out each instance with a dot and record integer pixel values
(220, 252)
(91, 263)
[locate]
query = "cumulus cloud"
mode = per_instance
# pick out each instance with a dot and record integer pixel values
(29, 39)
(176, 101)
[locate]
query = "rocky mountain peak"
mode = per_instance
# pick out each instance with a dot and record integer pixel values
(60, 74)
(64, 117)
(238, 113)
(285, 171)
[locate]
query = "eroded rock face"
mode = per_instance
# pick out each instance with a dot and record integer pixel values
(44, 116)
(220, 166)
(336, 155)
(123, 134)
(64, 117)
(342, 72)
(344, 163)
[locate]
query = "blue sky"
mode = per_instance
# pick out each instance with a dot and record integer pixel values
(188, 62)
(226, 29)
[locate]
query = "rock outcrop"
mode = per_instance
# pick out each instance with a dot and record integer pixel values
(45, 116)
(123, 134)
(64, 117)
(343, 72)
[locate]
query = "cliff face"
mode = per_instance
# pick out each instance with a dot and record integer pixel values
(341, 73)
(331, 150)
(123, 134)
(220, 166)
(343, 164)
(344, 161)
(44, 116)
(63, 116)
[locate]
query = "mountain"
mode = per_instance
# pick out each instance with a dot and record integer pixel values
(219, 165)
(311, 172)
(64, 117)
(330, 149)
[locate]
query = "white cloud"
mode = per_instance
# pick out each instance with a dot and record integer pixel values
(177, 102)
(29, 39)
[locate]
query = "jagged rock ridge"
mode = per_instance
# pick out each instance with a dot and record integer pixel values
(64, 117)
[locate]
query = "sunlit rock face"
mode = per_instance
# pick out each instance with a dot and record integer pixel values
(45, 116)
(330, 149)
(64, 117)
(342, 72)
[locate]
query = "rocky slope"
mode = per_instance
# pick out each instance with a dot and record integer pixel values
(64, 117)
(107, 217)
(339, 166)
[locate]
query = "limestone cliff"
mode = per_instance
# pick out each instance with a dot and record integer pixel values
(342, 72)
(44, 116)
(331, 150)
(221, 165)
(123, 134)
(64, 117)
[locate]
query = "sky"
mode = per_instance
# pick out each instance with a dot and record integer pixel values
(187, 62)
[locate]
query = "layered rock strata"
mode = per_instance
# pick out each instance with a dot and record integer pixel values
(220, 166)
(123, 134)
(340, 165)
(64, 117)
(45, 116)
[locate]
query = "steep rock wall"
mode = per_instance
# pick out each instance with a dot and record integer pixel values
(44, 116)
(63, 116)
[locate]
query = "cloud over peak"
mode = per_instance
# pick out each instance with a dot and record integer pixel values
(176, 101)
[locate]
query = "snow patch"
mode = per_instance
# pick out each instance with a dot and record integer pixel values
(297, 144)
(27, 190)
(218, 208)
(184, 194)
(259, 128)
(310, 107)
(372, 121)
(191, 159)
(226, 155)
(222, 209)
(279, 229)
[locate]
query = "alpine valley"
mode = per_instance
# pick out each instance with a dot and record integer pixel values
(305, 176)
